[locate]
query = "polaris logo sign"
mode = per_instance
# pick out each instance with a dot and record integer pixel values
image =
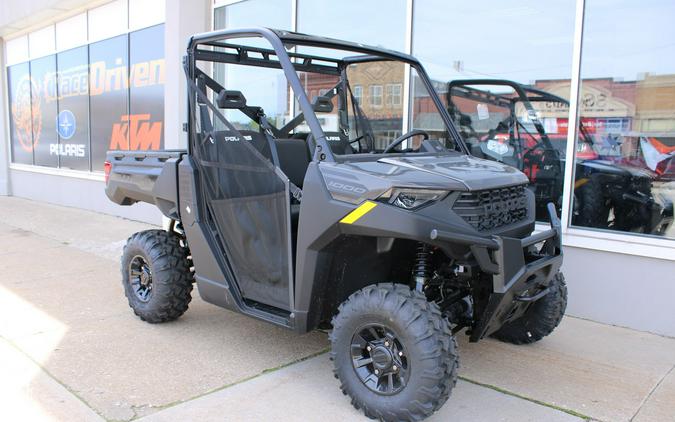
(67, 150)
(236, 138)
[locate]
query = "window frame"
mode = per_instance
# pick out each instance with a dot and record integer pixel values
(372, 96)
(358, 94)
(390, 95)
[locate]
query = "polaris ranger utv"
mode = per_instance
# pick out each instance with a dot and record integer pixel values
(608, 195)
(396, 245)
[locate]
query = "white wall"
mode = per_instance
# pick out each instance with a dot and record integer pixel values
(621, 289)
(77, 193)
(183, 19)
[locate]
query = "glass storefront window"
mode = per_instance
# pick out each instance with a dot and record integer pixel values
(66, 110)
(21, 112)
(625, 170)
(372, 117)
(45, 138)
(257, 83)
(527, 42)
(72, 121)
(262, 87)
(146, 88)
(109, 98)
(274, 14)
(366, 21)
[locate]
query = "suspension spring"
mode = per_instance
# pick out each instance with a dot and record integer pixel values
(421, 273)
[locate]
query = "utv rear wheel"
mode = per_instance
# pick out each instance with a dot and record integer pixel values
(593, 206)
(540, 319)
(393, 353)
(156, 275)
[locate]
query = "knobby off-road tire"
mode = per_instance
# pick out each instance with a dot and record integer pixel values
(593, 206)
(159, 256)
(419, 335)
(540, 319)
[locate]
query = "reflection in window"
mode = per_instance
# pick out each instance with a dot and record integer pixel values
(146, 88)
(625, 170)
(384, 26)
(263, 87)
(268, 13)
(358, 94)
(538, 62)
(393, 94)
(384, 123)
(426, 116)
(43, 74)
(375, 95)
(109, 103)
(72, 124)
(23, 112)
(511, 123)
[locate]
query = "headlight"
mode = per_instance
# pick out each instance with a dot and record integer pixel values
(410, 199)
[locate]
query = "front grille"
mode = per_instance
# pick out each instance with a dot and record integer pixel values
(492, 208)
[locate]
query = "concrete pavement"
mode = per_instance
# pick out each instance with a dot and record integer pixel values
(70, 349)
(305, 391)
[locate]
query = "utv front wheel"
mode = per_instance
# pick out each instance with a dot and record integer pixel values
(540, 319)
(393, 353)
(156, 275)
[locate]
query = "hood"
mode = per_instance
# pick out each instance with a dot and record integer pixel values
(452, 172)
(473, 173)
(369, 176)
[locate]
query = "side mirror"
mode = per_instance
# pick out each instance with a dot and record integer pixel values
(231, 99)
(322, 104)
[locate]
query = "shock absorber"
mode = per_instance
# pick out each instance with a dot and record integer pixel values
(421, 272)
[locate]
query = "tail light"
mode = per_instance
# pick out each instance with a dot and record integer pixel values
(107, 166)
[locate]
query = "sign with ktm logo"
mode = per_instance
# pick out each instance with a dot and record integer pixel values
(136, 132)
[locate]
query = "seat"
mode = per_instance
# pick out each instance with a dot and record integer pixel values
(259, 142)
(293, 156)
(293, 159)
(337, 142)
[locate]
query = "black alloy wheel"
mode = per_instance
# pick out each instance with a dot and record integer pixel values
(157, 275)
(379, 359)
(393, 352)
(140, 277)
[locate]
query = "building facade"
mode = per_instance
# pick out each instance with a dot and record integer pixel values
(81, 77)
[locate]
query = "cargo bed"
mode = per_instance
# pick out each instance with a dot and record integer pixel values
(144, 176)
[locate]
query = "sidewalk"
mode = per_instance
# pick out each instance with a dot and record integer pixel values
(70, 349)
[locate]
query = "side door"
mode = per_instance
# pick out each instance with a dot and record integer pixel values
(247, 205)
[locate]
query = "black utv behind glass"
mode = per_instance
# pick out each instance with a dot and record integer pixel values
(337, 214)
(608, 195)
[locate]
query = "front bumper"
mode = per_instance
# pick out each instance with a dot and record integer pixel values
(521, 273)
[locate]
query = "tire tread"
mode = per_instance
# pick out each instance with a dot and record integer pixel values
(172, 276)
(411, 306)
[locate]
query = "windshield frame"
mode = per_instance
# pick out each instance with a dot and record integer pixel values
(279, 40)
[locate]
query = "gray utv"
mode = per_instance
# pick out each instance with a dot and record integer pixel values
(340, 215)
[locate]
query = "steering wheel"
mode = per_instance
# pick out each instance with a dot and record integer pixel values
(397, 141)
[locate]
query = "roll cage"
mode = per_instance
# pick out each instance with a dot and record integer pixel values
(527, 95)
(215, 47)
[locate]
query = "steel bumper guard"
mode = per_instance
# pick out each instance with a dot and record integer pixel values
(521, 271)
